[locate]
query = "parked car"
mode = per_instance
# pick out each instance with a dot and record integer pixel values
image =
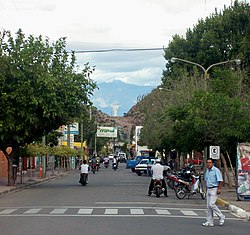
(130, 164)
(144, 166)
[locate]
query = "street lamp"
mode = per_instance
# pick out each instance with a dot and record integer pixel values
(237, 61)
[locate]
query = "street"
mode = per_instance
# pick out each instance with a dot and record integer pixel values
(114, 202)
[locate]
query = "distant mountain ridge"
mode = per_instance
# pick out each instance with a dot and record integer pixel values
(118, 93)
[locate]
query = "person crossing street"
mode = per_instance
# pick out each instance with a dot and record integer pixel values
(214, 181)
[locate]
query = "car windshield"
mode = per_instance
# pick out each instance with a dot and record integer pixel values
(144, 162)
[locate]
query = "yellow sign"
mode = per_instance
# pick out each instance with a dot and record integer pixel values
(76, 144)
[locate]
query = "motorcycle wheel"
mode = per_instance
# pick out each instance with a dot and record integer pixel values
(180, 191)
(157, 191)
(202, 191)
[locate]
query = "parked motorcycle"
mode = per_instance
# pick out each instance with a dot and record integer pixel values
(83, 179)
(185, 188)
(185, 174)
(172, 181)
(158, 189)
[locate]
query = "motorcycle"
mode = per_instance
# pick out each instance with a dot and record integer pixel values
(106, 164)
(97, 165)
(114, 166)
(172, 181)
(184, 174)
(158, 189)
(83, 179)
(185, 188)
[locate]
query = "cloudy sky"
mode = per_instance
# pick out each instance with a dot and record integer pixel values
(110, 24)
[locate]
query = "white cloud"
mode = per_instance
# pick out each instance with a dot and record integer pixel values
(100, 24)
(101, 103)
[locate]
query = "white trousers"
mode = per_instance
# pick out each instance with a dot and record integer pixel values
(211, 206)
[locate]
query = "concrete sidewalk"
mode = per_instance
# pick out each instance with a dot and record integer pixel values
(228, 198)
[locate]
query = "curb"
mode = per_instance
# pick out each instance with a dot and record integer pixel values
(241, 213)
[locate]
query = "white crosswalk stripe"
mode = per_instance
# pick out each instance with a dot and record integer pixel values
(136, 211)
(111, 212)
(7, 211)
(85, 211)
(186, 212)
(33, 211)
(162, 212)
(58, 211)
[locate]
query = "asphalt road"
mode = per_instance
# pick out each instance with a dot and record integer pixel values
(114, 202)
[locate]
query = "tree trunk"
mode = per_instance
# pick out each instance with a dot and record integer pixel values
(226, 170)
(235, 181)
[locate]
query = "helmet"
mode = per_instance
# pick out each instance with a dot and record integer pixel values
(158, 160)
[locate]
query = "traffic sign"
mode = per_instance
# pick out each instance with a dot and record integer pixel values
(74, 129)
(214, 152)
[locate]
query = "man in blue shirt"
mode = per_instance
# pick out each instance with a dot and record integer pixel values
(214, 181)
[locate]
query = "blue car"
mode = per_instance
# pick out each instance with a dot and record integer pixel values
(130, 164)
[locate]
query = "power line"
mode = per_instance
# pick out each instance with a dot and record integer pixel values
(119, 49)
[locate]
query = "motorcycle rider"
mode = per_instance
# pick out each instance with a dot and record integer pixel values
(106, 160)
(93, 162)
(115, 162)
(157, 173)
(84, 169)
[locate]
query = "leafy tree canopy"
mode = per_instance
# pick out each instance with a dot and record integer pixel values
(41, 88)
(223, 36)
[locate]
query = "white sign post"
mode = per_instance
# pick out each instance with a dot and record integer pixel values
(214, 152)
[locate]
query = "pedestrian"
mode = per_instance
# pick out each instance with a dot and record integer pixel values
(214, 181)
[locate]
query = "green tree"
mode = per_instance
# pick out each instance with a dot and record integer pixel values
(210, 119)
(220, 37)
(40, 89)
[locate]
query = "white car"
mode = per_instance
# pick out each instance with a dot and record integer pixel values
(111, 156)
(122, 157)
(144, 167)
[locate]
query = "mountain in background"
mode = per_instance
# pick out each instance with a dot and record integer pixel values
(118, 94)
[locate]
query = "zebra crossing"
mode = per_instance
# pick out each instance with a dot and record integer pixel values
(102, 211)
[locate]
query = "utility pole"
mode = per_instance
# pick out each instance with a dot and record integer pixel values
(44, 158)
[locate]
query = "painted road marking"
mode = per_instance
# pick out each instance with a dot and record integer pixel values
(7, 211)
(33, 211)
(58, 211)
(162, 212)
(111, 212)
(136, 212)
(186, 212)
(85, 211)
